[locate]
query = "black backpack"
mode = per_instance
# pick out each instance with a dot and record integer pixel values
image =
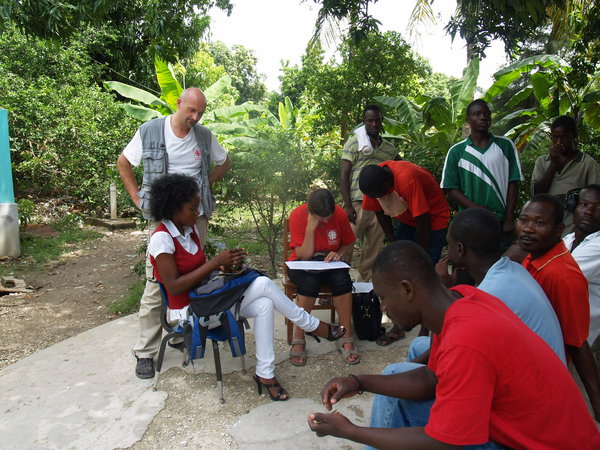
(366, 316)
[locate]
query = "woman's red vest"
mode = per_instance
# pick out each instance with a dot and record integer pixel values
(185, 262)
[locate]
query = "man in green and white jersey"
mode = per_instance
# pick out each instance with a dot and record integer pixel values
(483, 170)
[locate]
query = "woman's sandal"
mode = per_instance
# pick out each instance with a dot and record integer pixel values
(333, 334)
(298, 354)
(346, 353)
(280, 392)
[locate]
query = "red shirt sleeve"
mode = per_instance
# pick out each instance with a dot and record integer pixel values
(569, 296)
(297, 224)
(371, 204)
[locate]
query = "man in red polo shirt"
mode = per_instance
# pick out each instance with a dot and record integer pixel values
(539, 229)
(411, 195)
(489, 377)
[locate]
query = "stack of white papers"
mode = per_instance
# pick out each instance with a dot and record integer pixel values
(316, 265)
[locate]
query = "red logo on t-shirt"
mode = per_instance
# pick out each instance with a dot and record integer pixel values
(197, 154)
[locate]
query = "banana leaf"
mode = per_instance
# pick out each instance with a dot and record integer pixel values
(405, 111)
(500, 123)
(140, 112)
(508, 74)
(133, 93)
(520, 96)
(542, 83)
(462, 91)
(169, 86)
(218, 88)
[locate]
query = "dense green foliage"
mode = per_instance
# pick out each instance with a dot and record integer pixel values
(240, 64)
(336, 93)
(127, 34)
(65, 131)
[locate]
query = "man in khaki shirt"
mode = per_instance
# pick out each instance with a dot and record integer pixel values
(364, 147)
(564, 167)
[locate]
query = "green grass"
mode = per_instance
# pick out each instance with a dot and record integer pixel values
(130, 301)
(36, 252)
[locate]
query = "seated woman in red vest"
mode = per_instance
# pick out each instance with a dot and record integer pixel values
(180, 264)
(320, 230)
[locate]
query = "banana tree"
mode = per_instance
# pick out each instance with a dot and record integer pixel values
(427, 127)
(155, 106)
(554, 94)
(432, 121)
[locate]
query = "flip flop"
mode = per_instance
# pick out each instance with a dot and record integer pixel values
(298, 354)
(390, 337)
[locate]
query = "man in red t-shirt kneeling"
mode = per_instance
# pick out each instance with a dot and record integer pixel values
(490, 381)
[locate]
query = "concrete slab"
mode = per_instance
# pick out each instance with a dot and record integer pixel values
(80, 393)
(287, 427)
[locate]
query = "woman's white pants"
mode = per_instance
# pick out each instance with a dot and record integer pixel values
(261, 299)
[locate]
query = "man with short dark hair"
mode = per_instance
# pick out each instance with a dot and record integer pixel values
(484, 170)
(173, 144)
(565, 167)
(411, 195)
(584, 245)
(365, 146)
(539, 228)
(474, 243)
(489, 377)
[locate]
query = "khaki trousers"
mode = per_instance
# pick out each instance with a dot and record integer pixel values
(367, 224)
(151, 302)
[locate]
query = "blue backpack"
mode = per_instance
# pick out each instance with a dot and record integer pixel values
(218, 299)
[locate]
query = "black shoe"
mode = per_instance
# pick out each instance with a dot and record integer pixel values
(144, 368)
(179, 346)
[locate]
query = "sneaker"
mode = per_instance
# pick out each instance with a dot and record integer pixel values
(144, 368)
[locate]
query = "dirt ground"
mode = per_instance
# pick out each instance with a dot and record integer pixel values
(69, 297)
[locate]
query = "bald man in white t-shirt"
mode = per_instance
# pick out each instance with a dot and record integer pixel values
(175, 144)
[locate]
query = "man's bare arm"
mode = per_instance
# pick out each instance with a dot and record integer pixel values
(458, 197)
(128, 178)
(417, 384)
(385, 222)
(423, 229)
(509, 211)
(346, 172)
(219, 171)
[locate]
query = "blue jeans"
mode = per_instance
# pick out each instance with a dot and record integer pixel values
(438, 239)
(390, 412)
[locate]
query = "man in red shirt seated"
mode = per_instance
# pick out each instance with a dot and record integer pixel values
(490, 382)
(539, 229)
(411, 195)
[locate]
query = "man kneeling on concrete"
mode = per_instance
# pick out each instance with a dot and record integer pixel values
(490, 381)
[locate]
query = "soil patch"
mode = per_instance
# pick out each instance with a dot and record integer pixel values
(71, 296)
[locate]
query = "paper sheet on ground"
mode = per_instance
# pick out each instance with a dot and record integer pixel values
(316, 265)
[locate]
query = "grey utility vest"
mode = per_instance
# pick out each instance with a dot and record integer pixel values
(155, 162)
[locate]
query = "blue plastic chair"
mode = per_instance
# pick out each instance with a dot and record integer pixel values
(215, 335)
